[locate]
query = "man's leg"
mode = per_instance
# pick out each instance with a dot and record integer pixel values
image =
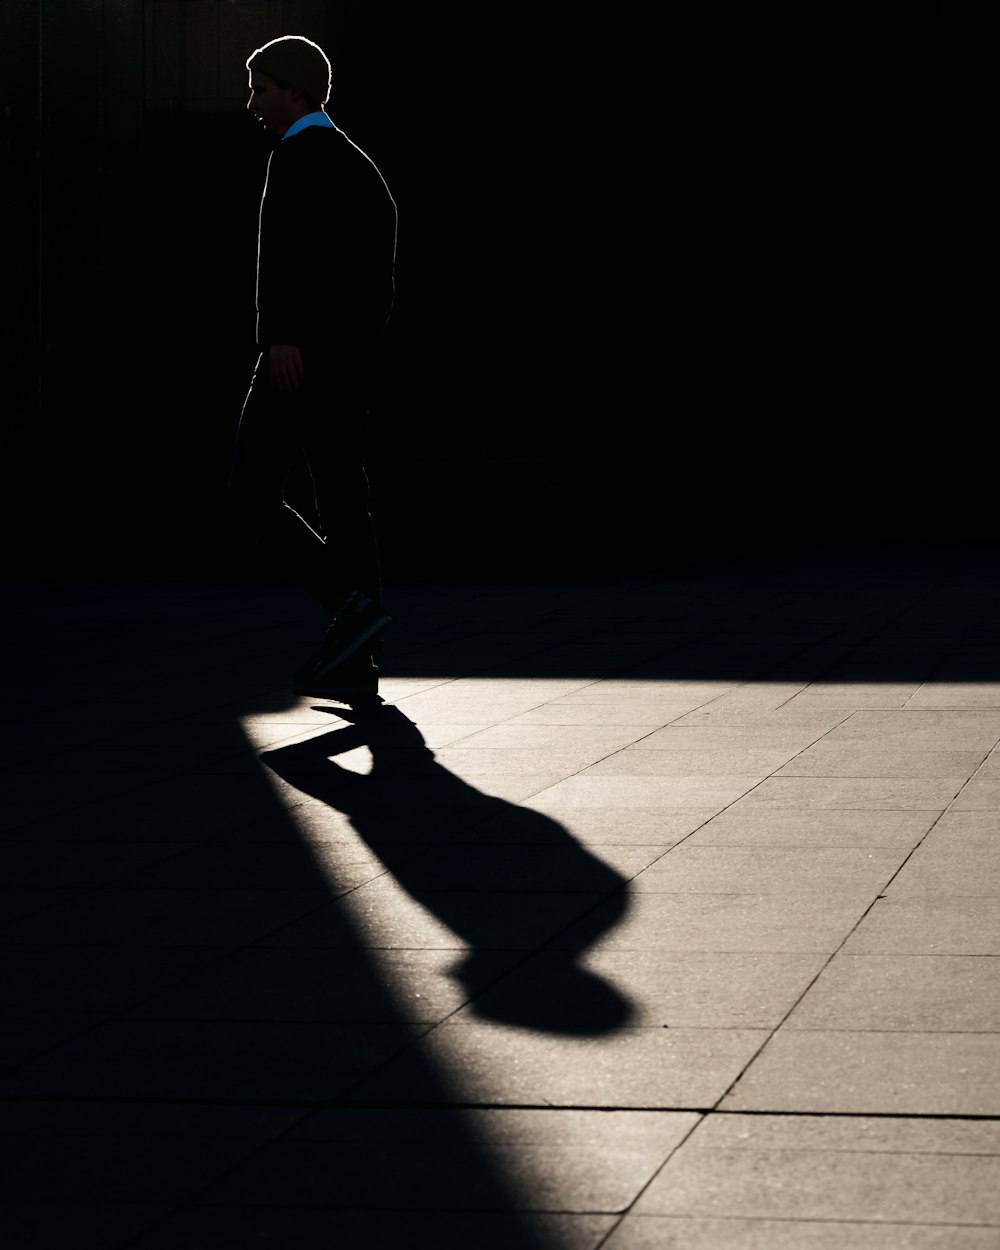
(334, 445)
(270, 445)
(338, 420)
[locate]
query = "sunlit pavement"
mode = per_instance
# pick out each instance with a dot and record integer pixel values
(641, 914)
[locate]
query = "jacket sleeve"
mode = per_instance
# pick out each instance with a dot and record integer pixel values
(282, 269)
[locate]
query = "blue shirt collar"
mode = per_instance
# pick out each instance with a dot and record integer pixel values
(319, 118)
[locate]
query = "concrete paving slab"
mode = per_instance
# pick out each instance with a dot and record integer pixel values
(664, 1232)
(510, 787)
(471, 763)
(643, 761)
(921, 728)
(901, 794)
(814, 1182)
(444, 704)
(850, 694)
(912, 992)
(956, 694)
(979, 795)
(641, 693)
(962, 831)
(824, 760)
(661, 921)
(437, 734)
(990, 770)
(646, 712)
(817, 719)
(494, 688)
(769, 870)
(745, 824)
(713, 737)
(504, 1065)
(928, 925)
(594, 790)
(526, 736)
(889, 1073)
(946, 868)
(849, 1133)
(754, 698)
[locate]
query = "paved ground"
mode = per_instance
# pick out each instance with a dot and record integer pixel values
(654, 914)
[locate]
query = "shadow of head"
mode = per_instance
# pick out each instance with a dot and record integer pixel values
(522, 894)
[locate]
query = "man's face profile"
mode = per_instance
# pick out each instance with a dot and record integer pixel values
(272, 104)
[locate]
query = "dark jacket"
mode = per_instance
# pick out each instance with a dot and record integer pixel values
(326, 246)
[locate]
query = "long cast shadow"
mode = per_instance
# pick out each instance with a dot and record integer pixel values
(167, 1081)
(415, 815)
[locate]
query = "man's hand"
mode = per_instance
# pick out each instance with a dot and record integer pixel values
(286, 366)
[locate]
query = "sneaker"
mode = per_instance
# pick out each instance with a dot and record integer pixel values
(357, 622)
(356, 680)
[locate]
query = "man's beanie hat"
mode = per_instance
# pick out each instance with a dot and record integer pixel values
(297, 61)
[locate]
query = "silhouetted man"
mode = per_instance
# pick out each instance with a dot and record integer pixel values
(325, 273)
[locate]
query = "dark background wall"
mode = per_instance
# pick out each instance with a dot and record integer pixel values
(664, 289)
